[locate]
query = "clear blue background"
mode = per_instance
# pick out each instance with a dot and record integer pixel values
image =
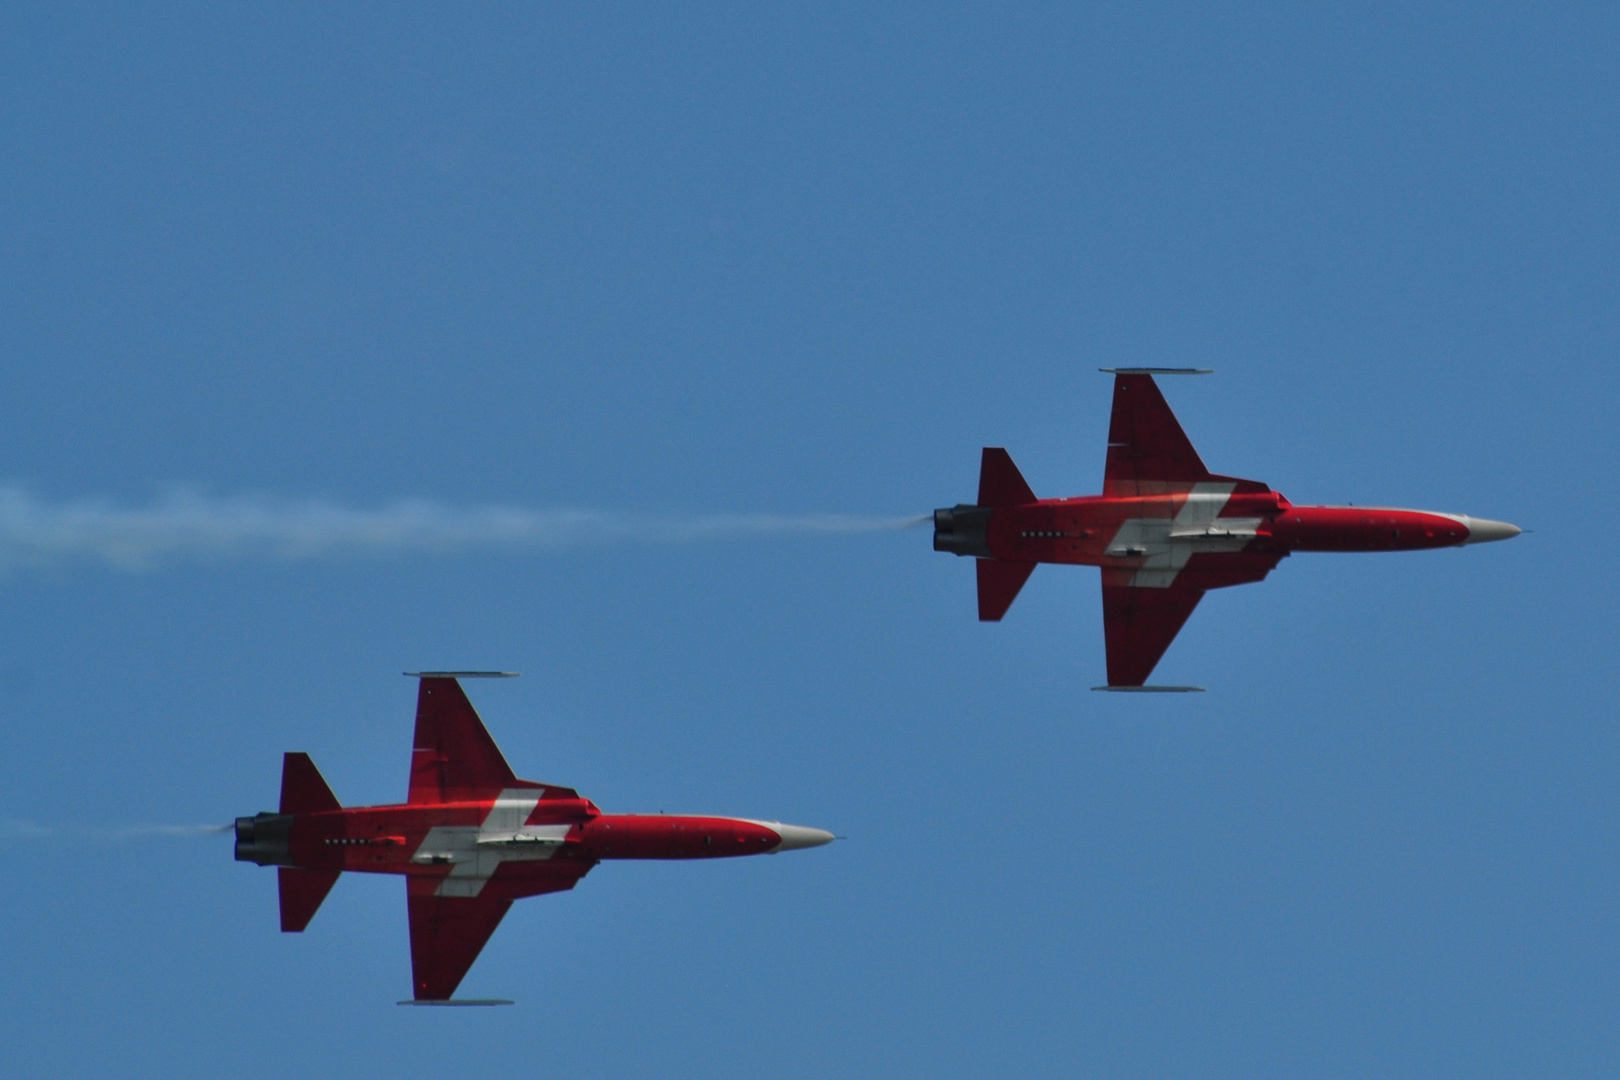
(794, 259)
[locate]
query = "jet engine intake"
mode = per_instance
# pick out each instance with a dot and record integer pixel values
(963, 530)
(263, 838)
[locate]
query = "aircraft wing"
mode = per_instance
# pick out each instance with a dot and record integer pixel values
(1140, 622)
(448, 932)
(1148, 453)
(1139, 625)
(453, 758)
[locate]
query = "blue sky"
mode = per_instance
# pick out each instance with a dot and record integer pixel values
(662, 263)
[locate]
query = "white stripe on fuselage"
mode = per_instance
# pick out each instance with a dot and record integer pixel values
(1165, 544)
(474, 852)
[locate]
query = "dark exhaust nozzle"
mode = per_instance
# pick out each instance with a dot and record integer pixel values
(262, 839)
(963, 530)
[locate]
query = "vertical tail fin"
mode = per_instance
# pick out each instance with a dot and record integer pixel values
(303, 791)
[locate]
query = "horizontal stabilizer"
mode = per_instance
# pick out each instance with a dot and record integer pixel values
(303, 790)
(1000, 482)
(301, 894)
(999, 582)
(459, 1001)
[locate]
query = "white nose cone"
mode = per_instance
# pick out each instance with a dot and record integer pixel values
(797, 836)
(1482, 529)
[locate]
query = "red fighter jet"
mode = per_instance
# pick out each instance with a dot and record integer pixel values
(1164, 531)
(470, 838)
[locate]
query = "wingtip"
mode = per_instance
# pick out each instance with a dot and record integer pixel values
(461, 674)
(1156, 371)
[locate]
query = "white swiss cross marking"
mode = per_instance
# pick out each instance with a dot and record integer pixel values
(474, 852)
(1165, 544)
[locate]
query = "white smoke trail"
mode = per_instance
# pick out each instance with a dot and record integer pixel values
(18, 829)
(191, 524)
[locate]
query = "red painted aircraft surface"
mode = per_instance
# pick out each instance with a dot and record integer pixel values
(469, 839)
(1165, 530)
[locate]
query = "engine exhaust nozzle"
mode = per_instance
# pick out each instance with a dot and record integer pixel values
(963, 530)
(263, 838)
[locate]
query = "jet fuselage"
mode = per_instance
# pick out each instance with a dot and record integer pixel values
(405, 839)
(1122, 532)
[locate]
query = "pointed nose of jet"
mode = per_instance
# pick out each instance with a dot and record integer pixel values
(1482, 529)
(797, 836)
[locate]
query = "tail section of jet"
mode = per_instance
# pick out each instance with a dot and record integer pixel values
(267, 839)
(965, 530)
